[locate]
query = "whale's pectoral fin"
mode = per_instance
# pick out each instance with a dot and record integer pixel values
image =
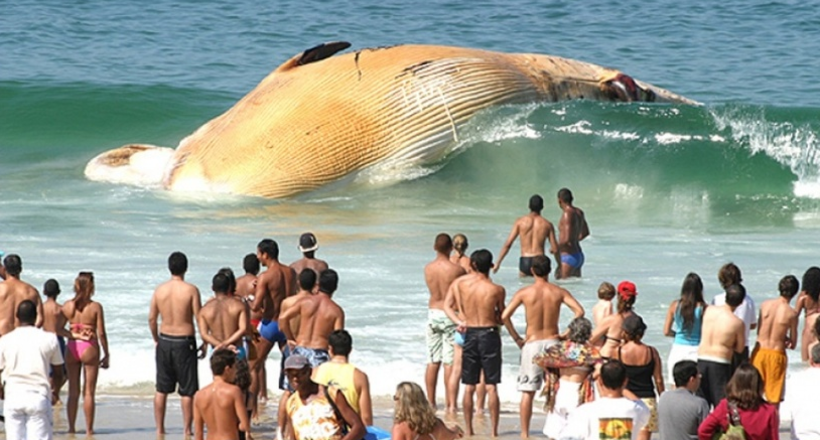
(316, 53)
(135, 164)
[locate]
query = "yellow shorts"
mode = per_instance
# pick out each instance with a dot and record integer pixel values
(772, 365)
(652, 404)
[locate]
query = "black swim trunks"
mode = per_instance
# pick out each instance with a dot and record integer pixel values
(482, 352)
(714, 377)
(525, 266)
(177, 364)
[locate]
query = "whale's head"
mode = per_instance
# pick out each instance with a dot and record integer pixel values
(133, 164)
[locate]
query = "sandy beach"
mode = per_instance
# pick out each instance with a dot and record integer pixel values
(122, 417)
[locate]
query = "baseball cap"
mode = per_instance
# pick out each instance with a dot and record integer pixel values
(627, 290)
(633, 325)
(307, 242)
(296, 362)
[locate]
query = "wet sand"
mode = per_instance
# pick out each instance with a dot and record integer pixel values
(123, 417)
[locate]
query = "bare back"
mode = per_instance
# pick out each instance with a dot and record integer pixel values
(480, 301)
(722, 334)
(542, 303)
(53, 318)
(292, 301)
(223, 321)
(309, 263)
(571, 230)
(13, 291)
(221, 408)
(533, 232)
(439, 274)
(320, 316)
(777, 328)
(246, 285)
(176, 302)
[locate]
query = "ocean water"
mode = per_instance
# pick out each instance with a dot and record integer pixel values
(667, 189)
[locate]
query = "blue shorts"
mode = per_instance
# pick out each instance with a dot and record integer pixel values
(575, 261)
(269, 330)
(458, 338)
(315, 356)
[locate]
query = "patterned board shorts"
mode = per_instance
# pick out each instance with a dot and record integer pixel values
(440, 331)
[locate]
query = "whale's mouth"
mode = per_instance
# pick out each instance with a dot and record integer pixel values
(134, 164)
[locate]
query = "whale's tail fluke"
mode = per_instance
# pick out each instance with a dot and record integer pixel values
(133, 164)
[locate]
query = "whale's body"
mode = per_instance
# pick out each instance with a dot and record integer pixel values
(319, 118)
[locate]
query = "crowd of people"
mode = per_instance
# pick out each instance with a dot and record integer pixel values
(598, 377)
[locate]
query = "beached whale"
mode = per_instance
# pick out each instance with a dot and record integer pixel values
(318, 118)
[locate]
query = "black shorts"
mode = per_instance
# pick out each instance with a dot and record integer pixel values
(482, 352)
(176, 364)
(525, 266)
(714, 377)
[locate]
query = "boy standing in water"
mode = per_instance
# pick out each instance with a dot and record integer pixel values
(54, 322)
(603, 308)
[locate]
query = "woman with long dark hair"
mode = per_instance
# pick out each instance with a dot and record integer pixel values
(743, 404)
(683, 321)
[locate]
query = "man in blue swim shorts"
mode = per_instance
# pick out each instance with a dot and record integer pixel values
(572, 228)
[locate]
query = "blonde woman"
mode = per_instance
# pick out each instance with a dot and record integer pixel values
(87, 327)
(460, 245)
(415, 419)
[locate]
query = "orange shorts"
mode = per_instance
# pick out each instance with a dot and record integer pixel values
(772, 366)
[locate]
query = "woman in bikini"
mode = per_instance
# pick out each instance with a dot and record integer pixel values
(415, 419)
(87, 327)
(607, 335)
(683, 322)
(809, 302)
(643, 371)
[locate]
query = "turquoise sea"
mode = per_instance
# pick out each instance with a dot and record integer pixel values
(667, 189)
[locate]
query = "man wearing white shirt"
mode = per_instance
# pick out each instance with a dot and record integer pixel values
(611, 416)
(802, 403)
(26, 356)
(727, 275)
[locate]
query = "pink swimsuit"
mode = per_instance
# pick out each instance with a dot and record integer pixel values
(78, 346)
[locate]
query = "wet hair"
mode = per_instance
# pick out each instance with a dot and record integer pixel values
(606, 291)
(460, 243)
(683, 371)
(251, 264)
(412, 407)
(328, 281)
(565, 195)
(536, 203)
(580, 329)
(815, 354)
(221, 359)
(745, 388)
(27, 312)
(788, 286)
(541, 266)
(228, 272)
(51, 288)
(729, 274)
(242, 379)
(444, 244)
(811, 283)
(13, 264)
(735, 294)
(613, 374)
(341, 342)
(269, 247)
(626, 305)
(177, 263)
(691, 294)
(220, 283)
(307, 279)
(482, 261)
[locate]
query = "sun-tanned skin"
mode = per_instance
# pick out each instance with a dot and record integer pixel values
(13, 291)
(223, 320)
(572, 228)
(542, 302)
(220, 407)
(177, 303)
(533, 231)
(319, 315)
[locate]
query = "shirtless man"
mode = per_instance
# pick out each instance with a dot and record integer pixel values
(13, 291)
(776, 331)
(439, 274)
(246, 284)
(223, 320)
(308, 245)
(177, 304)
(572, 228)
(480, 303)
(54, 321)
(542, 303)
(723, 337)
(534, 231)
(318, 316)
(271, 289)
(220, 406)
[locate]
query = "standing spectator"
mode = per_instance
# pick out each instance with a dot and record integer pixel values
(809, 302)
(683, 321)
(643, 367)
(681, 411)
(802, 408)
(83, 349)
(343, 376)
(54, 322)
(729, 275)
(26, 354)
(609, 329)
(744, 394)
(414, 417)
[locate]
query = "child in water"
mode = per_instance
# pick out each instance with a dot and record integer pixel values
(603, 308)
